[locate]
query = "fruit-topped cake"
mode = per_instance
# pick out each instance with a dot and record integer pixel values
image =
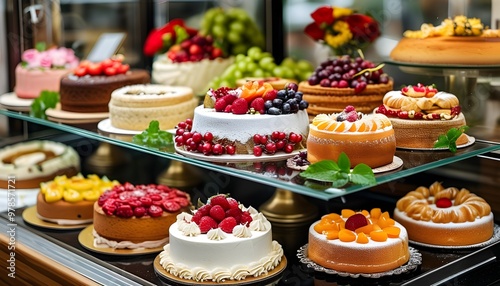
(358, 242)
(345, 80)
(42, 69)
(137, 216)
(219, 242)
(420, 114)
(455, 41)
(252, 119)
(88, 88)
(445, 216)
(70, 200)
(133, 107)
(365, 138)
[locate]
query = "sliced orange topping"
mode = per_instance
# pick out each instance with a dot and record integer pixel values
(362, 238)
(375, 213)
(365, 229)
(331, 217)
(345, 213)
(385, 214)
(378, 235)
(353, 127)
(392, 231)
(332, 234)
(385, 222)
(365, 213)
(340, 127)
(346, 235)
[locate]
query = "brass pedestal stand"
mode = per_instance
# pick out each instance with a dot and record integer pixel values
(106, 159)
(181, 176)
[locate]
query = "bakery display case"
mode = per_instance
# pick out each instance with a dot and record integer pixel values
(53, 256)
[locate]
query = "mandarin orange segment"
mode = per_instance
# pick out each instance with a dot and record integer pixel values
(365, 229)
(362, 127)
(365, 213)
(362, 238)
(340, 127)
(385, 222)
(353, 128)
(378, 235)
(392, 231)
(331, 126)
(346, 235)
(346, 213)
(331, 217)
(332, 234)
(375, 213)
(341, 224)
(385, 214)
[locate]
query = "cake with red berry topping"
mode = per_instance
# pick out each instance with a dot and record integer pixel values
(137, 216)
(219, 242)
(88, 88)
(364, 138)
(252, 119)
(358, 242)
(133, 107)
(42, 70)
(345, 81)
(445, 216)
(420, 114)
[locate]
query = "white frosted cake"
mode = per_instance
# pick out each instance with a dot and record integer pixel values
(196, 75)
(133, 107)
(227, 250)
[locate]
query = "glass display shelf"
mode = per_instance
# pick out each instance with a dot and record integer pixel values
(276, 173)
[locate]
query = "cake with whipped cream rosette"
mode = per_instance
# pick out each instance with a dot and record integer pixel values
(221, 241)
(137, 216)
(420, 114)
(358, 242)
(33, 162)
(442, 216)
(133, 107)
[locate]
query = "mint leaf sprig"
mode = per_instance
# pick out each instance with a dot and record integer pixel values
(339, 173)
(46, 100)
(449, 140)
(154, 138)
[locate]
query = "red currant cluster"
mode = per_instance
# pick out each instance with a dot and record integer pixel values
(418, 115)
(194, 49)
(201, 143)
(277, 141)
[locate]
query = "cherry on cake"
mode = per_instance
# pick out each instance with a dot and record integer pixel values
(358, 242)
(344, 81)
(133, 107)
(219, 242)
(364, 138)
(137, 216)
(420, 114)
(445, 216)
(33, 162)
(42, 70)
(70, 200)
(253, 119)
(88, 88)
(456, 41)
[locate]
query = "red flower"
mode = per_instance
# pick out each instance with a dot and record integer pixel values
(323, 16)
(315, 32)
(154, 41)
(363, 28)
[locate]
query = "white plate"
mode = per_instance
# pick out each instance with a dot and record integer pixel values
(11, 102)
(470, 141)
(396, 163)
(225, 158)
(105, 126)
(494, 238)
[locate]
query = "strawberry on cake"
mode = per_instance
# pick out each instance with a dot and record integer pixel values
(221, 241)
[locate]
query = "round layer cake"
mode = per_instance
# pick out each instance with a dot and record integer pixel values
(139, 216)
(89, 94)
(70, 201)
(445, 216)
(221, 241)
(367, 139)
(25, 165)
(196, 75)
(134, 107)
(420, 114)
(358, 242)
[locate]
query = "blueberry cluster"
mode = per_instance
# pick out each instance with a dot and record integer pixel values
(288, 100)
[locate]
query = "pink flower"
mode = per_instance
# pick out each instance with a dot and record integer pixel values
(46, 60)
(30, 56)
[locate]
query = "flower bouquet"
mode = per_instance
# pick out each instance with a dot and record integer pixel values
(342, 29)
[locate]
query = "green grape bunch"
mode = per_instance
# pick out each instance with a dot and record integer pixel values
(232, 30)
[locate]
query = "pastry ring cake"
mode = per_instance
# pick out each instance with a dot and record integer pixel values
(70, 200)
(459, 41)
(33, 162)
(445, 216)
(420, 113)
(367, 139)
(221, 241)
(137, 216)
(133, 107)
(358, 242)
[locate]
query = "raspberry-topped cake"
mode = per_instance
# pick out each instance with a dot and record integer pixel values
(251, 119)
(137, 216)
(358, 242)
(445, 216)
(364, 138)
(221, 241)
(420, 113)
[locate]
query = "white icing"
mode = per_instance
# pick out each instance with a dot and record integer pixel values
(101, 242)
(259, 223)
(216, 234)
(242, 231)
(189, 228)
(66, 221)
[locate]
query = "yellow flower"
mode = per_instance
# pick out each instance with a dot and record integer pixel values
(340, 12)
(341, 35)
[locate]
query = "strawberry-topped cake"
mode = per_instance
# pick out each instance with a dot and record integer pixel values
(364, 138)
(358, 242)
(253, 119)
(137, 216)
(445, 216)
(420, 114)
(219, 242)
(88, 88)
